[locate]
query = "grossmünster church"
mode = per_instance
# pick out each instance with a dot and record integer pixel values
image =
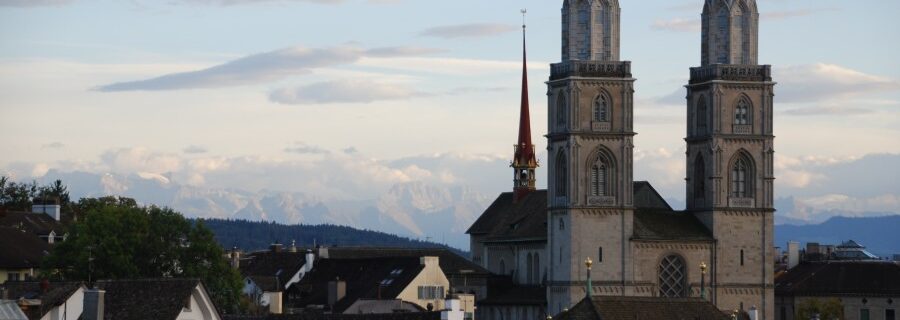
(592, 208)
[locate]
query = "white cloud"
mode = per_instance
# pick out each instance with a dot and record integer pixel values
(194, 149)
(53, 145)
(303, 148)
(402, 51)
(677, 24)
(468, 30)
(33, 3)
(824, 82)
(344, 91)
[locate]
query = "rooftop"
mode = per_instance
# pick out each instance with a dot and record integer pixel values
(840, 278)
(644, 308)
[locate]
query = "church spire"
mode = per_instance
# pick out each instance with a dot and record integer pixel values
(524, 161)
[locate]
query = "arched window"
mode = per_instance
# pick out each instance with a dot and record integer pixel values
(602, 176)
(584, 30)
(530, 269)
(601, 109)
(562, 174)
(672, 277)
(562, 224)
(742, 112)
(561, 111)
(723, 36)
(537, 269)
(741, 171)
(604, 23)
(502, 267)
(744, 33)
(701, 116)
(699, 178)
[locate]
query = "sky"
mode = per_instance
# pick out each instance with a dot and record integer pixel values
(346, 98)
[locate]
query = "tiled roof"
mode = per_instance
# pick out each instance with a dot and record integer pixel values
(148, 299)
(21, 250)
(508, 220)
(660, 224)
(840, 278)
(643, 308)
(36, 223)
(331, 316)
(56, 294)
(370, 278)
(451, 263)
(263, 266)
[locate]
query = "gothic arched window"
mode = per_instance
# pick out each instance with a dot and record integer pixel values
(561, 111)
(584, 30)
(699, 178)
(744, 33)
(562, 174)
(604, 23)
(602, 176)
(530, 267)
(537, 269)
(722, 36)
(502, 267)
(742, 112)
(672, 277)
(741, 171)
(601, 109)
(701, 116)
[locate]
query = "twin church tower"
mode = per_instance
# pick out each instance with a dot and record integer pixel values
(593, 208)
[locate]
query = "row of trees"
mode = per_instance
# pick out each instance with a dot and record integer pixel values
(115, 238)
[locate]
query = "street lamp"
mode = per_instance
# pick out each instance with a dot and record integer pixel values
(703, 280)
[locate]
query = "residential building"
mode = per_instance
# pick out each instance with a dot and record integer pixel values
(47, 300)
(867, 290)
(21, 254)
(630, 308)
(269, 274)
(156, 299)
(39, 224)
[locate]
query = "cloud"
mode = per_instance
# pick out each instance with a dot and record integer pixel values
(782, 15)
(344, 91)
(242, 2)
(53, 145)
(33, 3)
(828, 111)
(134, 160)
(194, 149)
(693, 25)
(350, 150)
(252, 69)
(402, 51)
(303, 148)
(468, 30)
(824, 82)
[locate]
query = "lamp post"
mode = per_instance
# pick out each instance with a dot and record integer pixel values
(590, 286)
(703, 280)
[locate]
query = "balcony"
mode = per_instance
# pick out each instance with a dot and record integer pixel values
(601, 126)
(593, 69)
(740, 202)
(606, 201)
(731, 72)
(742, 129)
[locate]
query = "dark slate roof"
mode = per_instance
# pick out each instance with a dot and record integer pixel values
(263, 266)
(36, 223)
(646, 197)
(57, 292)
(21, 250)
(436, 315)
(450, 262)
(508, 220)
(369, 278)
(660, 224)
(840, 278)
(517, 296)
(147, 299)
(643, 308)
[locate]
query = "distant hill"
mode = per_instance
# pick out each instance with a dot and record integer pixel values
(252, 235)
(880, 235)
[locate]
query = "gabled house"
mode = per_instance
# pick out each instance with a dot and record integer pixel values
(648, 308)
(156, 299)
(47, 300)
(40, 224)
(372, 286)
(268, 274)
(865, 289)
(20, 254)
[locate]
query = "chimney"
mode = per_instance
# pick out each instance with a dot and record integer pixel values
(310, 260)
(428, 261)
(323, 252)
(753, 314)
(93, 304)
(337, 290)
(293, 246)
(52, 210)
(275, 247)
(793, 254)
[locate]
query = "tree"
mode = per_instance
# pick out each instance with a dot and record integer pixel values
(16, 196)
(827, 309)
(117, 239)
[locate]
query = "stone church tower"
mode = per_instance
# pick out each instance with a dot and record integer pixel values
(730, 155)
(590, 146)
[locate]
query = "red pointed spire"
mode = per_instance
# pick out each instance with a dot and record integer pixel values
(524, 161)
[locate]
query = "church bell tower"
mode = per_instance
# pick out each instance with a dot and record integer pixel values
(589, 146)
(524, 161)
(730, 155)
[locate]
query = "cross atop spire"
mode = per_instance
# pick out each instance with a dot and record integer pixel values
(524, 161)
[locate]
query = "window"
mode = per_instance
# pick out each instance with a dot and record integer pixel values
(562, 174)
(602, 175)
(740, 172)
(600, 255)
(502, 267)
(701, 116)
(562, 224)
(561, 111)
(722, 36)
(601, 109)
(890, 314)
(560, 254)
(431, 292)
(537, 269)
(742, 112)
(672, 277)
(742, 257)
(864, 314)
(529, 267)
(699, 178)
(13, 276)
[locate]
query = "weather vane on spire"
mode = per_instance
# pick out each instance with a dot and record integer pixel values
(524, 11)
